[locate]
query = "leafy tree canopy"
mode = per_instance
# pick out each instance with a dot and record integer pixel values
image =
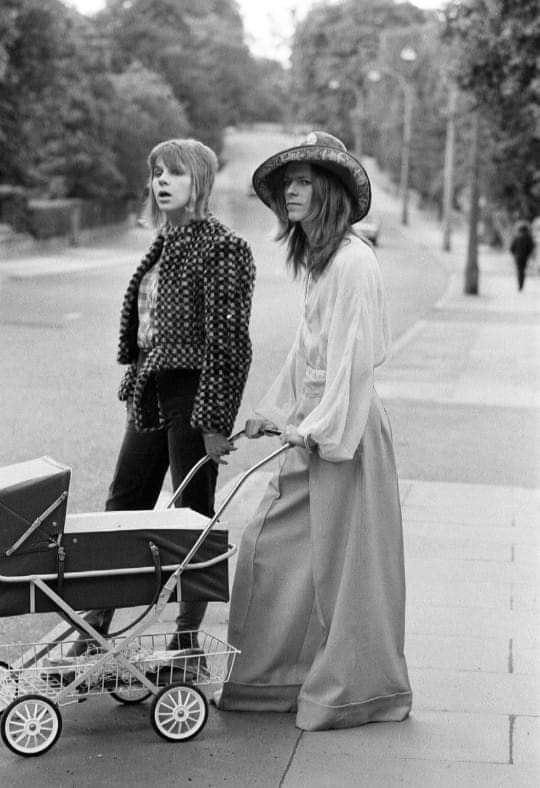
(333, 49)
(498, 43)
(146, 113)
(198, 48)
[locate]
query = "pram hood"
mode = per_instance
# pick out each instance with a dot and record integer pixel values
(33, 502)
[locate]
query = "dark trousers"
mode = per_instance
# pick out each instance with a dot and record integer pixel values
(143, 462)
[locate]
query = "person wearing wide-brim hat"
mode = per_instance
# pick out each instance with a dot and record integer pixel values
(317, 607)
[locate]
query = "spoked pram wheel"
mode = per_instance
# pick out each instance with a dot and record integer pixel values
(179, 712)
(30, 725)
(129, 695)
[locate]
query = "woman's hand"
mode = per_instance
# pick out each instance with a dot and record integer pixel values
(256, 428)
(216, 445)
(290, 435)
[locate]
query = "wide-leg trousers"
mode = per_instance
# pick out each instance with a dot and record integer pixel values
(317, 606)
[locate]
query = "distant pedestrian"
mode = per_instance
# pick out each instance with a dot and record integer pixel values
(184, 336)
(522, 247)
(318, 600)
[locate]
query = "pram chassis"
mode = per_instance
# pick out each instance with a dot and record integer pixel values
(130, 668)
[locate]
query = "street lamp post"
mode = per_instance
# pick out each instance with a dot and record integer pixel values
(357, 117)
(356, 114)
(408, 55)
(406, 151)
(448, 186)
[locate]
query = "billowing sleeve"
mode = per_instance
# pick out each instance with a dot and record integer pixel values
(228, 288)
(357, 339)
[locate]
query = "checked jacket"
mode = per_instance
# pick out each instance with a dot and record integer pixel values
(205, 287)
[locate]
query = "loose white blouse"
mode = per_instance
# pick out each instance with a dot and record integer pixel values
(326, 385)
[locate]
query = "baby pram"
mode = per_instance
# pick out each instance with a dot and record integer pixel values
(53, 561)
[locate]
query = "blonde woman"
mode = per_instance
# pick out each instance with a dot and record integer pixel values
(184, 336)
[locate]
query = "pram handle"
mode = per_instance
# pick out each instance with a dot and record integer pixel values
(169, 586)
(189, 476)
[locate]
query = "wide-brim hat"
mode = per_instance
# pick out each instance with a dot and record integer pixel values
(323, 150)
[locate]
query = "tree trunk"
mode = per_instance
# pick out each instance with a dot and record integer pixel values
(471, 267)
(357, 118)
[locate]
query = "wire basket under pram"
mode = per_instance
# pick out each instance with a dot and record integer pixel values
(37, 679)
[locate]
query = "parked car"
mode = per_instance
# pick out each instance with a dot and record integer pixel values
(369, 227)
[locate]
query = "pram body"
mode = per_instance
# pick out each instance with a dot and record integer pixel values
(105, 558)
(53, 561)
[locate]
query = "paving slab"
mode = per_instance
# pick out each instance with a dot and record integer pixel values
(491, 596)
(467, 363)
(525, 741)
(445, 620)
(508, 533)
(525, 597)
(458, 571)
(427, 735)
(465, 442)
(498, 293)
(408, 773)
(458, 652)
(526, 655)
(465, 691)
(470, 500)
(455, 547)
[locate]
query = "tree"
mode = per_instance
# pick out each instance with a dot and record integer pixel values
(267, 92)
(198, 48)
(31, 36)
(498, 43)
(334, 48)
(57, 103)
(146, 113)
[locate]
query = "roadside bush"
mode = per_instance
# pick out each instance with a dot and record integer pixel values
(66, 218)
(14, 207)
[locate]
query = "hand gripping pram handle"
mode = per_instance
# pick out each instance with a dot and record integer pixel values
(232, 549)
(189, 476)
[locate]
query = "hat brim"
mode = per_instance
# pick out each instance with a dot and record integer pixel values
(343, 164)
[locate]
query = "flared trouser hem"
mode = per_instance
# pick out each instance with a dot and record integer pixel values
(387, 708)
(257, 697)
(312, 716)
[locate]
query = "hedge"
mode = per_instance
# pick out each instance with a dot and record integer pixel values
(67, 218)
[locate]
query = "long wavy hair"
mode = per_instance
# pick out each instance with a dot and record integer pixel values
(330, 216)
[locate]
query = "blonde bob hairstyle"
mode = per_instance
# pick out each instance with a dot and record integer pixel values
(181, 156)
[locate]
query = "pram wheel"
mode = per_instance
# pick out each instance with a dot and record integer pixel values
(30, 725)
(179, 712)
(129, 695)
